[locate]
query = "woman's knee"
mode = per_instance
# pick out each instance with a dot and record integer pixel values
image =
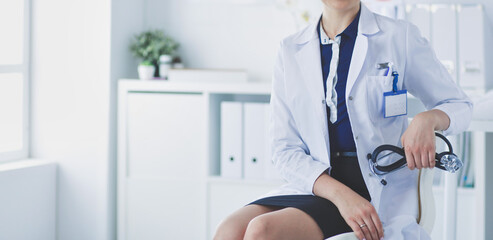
(230, 229)
(234, 226)
(260, 227)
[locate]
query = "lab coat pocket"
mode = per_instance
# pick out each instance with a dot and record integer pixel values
(376, 86)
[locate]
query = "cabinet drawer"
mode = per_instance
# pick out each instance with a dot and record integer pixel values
(159, 209)
(165, 134)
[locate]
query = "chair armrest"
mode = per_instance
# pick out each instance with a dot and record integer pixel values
(344, 236)
(426, 217)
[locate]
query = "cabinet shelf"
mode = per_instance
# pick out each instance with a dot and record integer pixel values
(481, 126)
(167, 86)
(460, 190)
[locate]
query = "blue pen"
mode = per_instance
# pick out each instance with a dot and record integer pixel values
(394, 83)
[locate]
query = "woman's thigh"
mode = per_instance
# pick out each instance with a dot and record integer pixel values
(287, 223)
(234, 226)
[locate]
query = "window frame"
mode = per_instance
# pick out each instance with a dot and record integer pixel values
(25, 69)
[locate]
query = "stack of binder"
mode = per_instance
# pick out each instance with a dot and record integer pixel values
(245, 149)
(449, 28)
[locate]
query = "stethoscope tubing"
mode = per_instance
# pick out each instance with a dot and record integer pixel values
(382, 170)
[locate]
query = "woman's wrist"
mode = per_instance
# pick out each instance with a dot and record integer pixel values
(342, 195)
(436, 119)
(329, 188)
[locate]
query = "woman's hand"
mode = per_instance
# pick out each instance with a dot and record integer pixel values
(419, 138)
(357, 211)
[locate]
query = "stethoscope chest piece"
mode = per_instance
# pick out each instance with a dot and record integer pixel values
(449, 162)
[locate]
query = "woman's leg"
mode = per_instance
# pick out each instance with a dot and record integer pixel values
(287, 223)
(234, 226)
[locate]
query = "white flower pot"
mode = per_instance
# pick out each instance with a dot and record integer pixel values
(164, 65)
(146, 72)
(164, 70)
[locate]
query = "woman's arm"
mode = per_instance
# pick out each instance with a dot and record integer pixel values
(289, 152)
(450, 108)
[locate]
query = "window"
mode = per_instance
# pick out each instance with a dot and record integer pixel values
(14, 76)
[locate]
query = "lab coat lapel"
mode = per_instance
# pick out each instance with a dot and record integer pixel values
(367, 26)
(357, 60)
(308, 59)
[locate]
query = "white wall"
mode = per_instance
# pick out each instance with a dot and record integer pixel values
(28, 200)
(224, 34)
(122, 65)
(127, 20)
(71, 110)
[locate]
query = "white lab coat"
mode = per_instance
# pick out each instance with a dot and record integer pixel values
(299, 131)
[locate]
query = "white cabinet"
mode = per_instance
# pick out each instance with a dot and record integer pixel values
(163, 166)
(169, 159)
(162, 209)
(165, 134)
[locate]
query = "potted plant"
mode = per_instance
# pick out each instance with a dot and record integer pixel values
(146, 70)
(149, 46)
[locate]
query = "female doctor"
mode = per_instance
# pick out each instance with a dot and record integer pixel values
(328, 113)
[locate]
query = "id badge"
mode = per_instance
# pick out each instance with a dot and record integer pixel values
(395, 103)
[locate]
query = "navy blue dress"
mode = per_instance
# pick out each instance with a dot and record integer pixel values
(344, 169)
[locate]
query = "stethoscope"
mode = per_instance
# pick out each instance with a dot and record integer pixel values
(446, 161)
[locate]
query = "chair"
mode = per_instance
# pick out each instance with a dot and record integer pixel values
(426, 207)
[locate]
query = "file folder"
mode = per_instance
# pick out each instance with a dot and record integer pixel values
(444, 33)
(471, 46)
(255, 140)
(258, 163)
(231, 139)
(420, 15)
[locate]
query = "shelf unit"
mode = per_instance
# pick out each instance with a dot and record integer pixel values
(215, 197)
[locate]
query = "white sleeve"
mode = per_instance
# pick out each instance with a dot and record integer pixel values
(426, 78)
(289, 152)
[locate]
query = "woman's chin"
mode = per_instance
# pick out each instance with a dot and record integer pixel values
(341, 5)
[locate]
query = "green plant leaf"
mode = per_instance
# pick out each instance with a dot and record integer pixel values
(146, 63)
(149, 45)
